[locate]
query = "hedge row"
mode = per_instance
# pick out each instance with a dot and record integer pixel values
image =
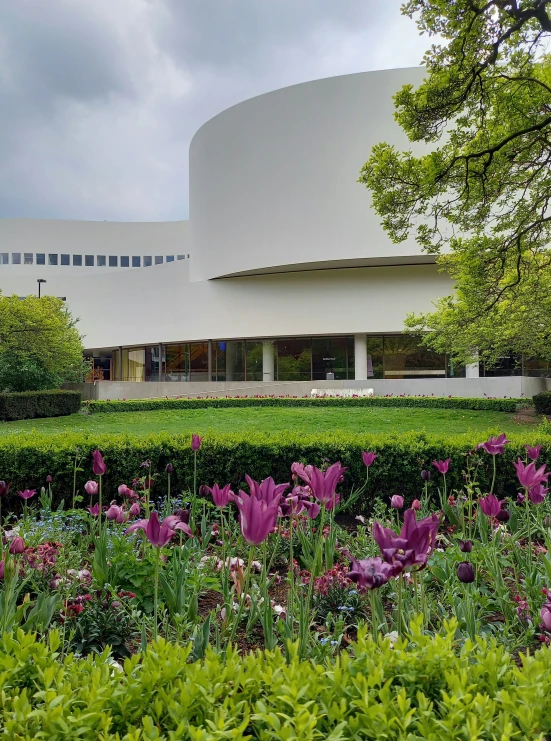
(26, 460)
(420, 689)
(434, 402)
(30, 404)
(542, 402)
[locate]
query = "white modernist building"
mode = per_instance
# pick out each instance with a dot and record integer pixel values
(282, 274)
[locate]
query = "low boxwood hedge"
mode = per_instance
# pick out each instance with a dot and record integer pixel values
(27, 458)
(30, 404)
(422, 688)
(542, 402)
(434, 402)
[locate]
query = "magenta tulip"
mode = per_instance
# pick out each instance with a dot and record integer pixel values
(545, 615)
(533, 452)
(368, 458)
(257, 517)
(196, 442)
(413, 545)
(267, 489)
(4, 488)
(2, 568)
(180, 521)
(537, 493)
(371, 573)
(158, 533)
(495, 445)
(416, 505)
(528, 475)
(91, 487)
(17, 546)
(291, 505)
(302, 472)
(123, 490)
(134, 510)
(94, 510)
(442, 466)
(116, 513)
(27, 493)
(490, 505)
(396, 501)
(98, 466)
(220, 497)
(323, 485)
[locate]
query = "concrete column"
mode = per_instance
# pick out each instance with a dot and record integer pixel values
(360, 357)
(120, 365)
(268, 361)
(472, 370)
(161, 363)
(230, 361)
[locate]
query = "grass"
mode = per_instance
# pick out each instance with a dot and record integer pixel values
(301, 420)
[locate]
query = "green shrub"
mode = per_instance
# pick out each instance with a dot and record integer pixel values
(423, 688)
(30, 404)
(428, 402)
(542, 402)
(27, 458)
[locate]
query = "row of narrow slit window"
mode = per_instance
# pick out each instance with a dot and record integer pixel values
(88, 261)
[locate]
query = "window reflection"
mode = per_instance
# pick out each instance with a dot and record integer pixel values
(405, 357)
(253, 367)
(177, 362)
(199, 361)
(133, 364)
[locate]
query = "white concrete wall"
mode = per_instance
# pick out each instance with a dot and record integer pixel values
(273, 180)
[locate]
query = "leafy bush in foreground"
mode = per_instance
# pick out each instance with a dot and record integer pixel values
(424, 402)
(422, 688)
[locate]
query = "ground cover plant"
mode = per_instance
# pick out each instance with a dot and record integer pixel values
(285, 567)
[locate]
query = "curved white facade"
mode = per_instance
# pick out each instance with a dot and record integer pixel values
(282, 270)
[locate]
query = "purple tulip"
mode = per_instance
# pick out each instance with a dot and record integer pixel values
(94, 510)
(397, 502)
(503, 515)
(323, 485)
(370, 573)
(529, 476)
(490, 505)
(312, 509)
(465, 572)
(145, 464)
(134, 510)
(291, 505)
(180, 521)
(27, 493)
(91, 488)
(442, 466)
(169, 468)
(98, 466)
(267, 489)
(123, 490)
(537, 493)
(49, 479)
(533, 452)
(17, 546)
(116, 513)
(545, 615)
(425, 475)
(4, 488)
(220, 497)
(368, 458)
(196, 442)
(257, 517)
(413, 545)
(302, 472)
(495, 445)
(465, 546)
(158, 533)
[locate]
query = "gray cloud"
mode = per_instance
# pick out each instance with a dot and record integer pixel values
(100, 99)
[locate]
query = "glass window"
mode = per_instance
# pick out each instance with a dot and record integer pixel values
(77, 260)
(374, 357)
(507, 365)
(181, 257)
(40, 258)
(229, 361)
(405, 357)
(89, 261)
(100, 261)
(329, 358)
(113, 261)
(536, 367)
(52, 259)
(294, 359)
(136, 261)
(170, 258)
(158, 259)
(152, 363)
(177, 362)
(28, 258)
(65, 259)
(253, 361)
(4, 258)
(125, 262)
(199, 361)
(133, 364)
(147, 261)
(188, 257)
(16, 258)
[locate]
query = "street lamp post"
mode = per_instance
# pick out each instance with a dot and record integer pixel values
(40, 281)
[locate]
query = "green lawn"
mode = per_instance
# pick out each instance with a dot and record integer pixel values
(272, 419)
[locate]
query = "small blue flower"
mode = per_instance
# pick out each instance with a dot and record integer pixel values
(323, 641)
(334, 643)
(353, 591)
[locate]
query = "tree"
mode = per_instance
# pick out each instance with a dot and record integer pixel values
(479, 199)
(40, 346)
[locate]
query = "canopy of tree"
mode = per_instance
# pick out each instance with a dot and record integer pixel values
(479, 197)
(40, 346)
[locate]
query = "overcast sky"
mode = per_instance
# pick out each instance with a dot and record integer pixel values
(99, 99)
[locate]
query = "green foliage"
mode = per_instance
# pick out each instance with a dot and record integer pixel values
(31, 404)
(104, 621)
(426, 402)
(422, 688)
(542, 403)
(38, 337)
(26, 460)
(480, 195)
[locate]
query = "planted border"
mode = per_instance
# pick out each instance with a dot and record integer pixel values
(427, 402)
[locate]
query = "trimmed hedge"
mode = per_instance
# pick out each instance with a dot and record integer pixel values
(542, 402)
(434, 402)
(30, 404)
(27, 458)
(422, 688)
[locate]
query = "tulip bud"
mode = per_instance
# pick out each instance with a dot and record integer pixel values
(49, 479)
(196, 442)
(547, 520)
(425, 475)
(503, 515)
(465, 546)
(4, 488)
(91, 487)
(465, 572)
(17, 546)
(98, 465)
(123, 490)
(169, 468)
(416, 505)
(396, 501)
(135, 509)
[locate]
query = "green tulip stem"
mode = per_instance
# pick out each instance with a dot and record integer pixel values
(373, 620)
(291, 596)
(529, 524)
(156, 593)
(243, 595)
(399, 606)
(494, 474)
